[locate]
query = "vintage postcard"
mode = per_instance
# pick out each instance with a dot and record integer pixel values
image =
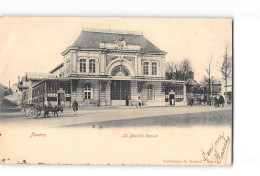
(116, 91)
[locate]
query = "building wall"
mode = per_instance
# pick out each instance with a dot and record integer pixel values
(105, 98)
(101, 93)
(105, 61)
(159, 99)
(79, 94)
(72, 63)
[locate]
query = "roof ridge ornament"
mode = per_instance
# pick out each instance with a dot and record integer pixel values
(121, 43)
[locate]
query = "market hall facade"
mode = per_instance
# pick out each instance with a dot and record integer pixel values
(106, 68)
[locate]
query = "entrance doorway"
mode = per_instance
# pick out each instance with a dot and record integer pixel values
(172, 99)
(61, 97)
(120, 92)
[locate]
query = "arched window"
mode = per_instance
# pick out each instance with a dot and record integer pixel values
(120, 70)
(88, 92)
(154, 68)
(150, 92)
(92, 66)
(82, 65)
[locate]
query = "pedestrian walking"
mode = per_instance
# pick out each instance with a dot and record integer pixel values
(75, 107)
(216, 101)
(221, 100)
(191, 101)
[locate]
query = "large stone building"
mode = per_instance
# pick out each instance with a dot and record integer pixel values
(107, 68)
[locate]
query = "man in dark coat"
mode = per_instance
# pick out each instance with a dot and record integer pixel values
(221, 100)
(216, 101)
(75, 107)
(191, 101)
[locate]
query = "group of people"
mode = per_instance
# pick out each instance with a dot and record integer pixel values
(217, 101)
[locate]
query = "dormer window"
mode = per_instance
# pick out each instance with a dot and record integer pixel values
(82, 65)
(92, 66)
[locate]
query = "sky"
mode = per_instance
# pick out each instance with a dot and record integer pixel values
(34, 44)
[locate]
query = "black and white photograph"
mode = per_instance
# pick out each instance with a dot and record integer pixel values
(101, 86)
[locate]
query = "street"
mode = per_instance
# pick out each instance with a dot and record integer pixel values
(107, 117)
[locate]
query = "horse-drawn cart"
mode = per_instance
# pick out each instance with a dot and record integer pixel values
(32, 111)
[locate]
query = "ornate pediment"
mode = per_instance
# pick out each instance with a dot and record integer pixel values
(120, 44)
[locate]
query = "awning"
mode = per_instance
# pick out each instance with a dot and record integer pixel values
(114, 78)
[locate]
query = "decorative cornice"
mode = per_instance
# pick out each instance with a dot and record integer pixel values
(117, 51)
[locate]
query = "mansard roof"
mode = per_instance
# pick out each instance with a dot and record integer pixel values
(92, 40)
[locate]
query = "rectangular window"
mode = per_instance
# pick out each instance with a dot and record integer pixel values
(154, 68)
(150, 93)
(92, 66)
(146, 68)
(87, 95)
(88, 91)
(82, 65)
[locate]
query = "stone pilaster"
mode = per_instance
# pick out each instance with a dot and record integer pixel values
(184, 93)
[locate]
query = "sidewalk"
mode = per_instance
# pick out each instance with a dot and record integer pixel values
(135, 107)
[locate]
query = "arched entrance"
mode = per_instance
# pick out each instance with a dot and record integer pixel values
(120, 63)
(120, 89)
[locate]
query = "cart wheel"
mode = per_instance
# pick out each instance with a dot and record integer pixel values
(38, 113)
(27, 112)
(32, 113)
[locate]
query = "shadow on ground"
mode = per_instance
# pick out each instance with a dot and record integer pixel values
(213, 118)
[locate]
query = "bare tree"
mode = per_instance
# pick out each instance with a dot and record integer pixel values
(170, 71)
(226, 71)
(186, 70)
(182, 71)
(209, 78)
